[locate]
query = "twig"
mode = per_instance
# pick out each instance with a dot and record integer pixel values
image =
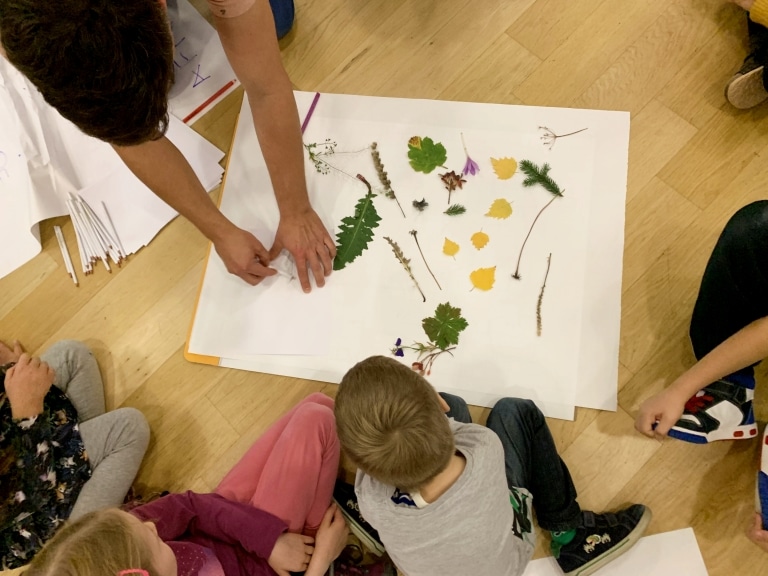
(413, 233)
(541, 297)
(406, 263)
(516, 275)
(383, 178)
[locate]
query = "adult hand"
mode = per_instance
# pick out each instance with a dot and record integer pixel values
(662, 410)
(26, 385)
(7, 355)
(292, 553)
(757, 534)
(305, 237)
(330, 541)
(244, 256)
(746, 4)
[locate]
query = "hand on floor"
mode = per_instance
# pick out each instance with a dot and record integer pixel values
(757, 534)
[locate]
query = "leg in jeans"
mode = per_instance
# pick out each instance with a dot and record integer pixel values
(735, 283)
(458, 408)
(758, 45)
(532, 462)
(115, 441)
(290, 471)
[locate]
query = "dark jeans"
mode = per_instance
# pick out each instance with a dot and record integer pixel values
(758, 46)
(734, 289)
(530, 458)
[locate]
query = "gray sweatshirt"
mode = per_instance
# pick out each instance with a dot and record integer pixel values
(470, 529)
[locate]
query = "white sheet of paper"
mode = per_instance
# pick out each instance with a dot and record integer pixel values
(372, 302)
(668, 554)
(45, 157)
(203, 73)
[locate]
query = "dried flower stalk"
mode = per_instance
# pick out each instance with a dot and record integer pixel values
(383, 178)
(413, 233)
(406, 263)
(541, 297)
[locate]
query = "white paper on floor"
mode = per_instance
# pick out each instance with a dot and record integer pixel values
(365, 307)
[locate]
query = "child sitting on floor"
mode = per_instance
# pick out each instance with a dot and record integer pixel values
(270, 515)
(451, 497)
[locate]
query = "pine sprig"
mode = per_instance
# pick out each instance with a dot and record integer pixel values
(405, 263)
(455, 210)
(356, 232)
(535, 175)
(383, 177)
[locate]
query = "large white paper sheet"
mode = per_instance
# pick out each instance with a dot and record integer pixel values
(369, 304)
(44, 158)
(203, 73)
(668, 554)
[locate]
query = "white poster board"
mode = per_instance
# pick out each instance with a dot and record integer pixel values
(365, 307)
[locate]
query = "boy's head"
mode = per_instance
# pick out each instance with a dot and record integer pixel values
(391, 423)
(106, 66)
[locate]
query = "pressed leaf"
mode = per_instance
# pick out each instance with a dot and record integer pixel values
(505, 168)
(483, 278)
(355, 232)
(425, 155)
(444, 327)
(450, 248)
(500, 209)
(480, 239)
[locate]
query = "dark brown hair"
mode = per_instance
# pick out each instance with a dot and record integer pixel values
(391, 425)
(106, 66)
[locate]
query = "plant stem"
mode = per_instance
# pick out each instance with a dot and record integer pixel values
(541, 297)
(364, 181)
(413, 233)
(516, 275)
(571, 133)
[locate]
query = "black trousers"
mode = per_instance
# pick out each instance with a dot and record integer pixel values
(758, 46)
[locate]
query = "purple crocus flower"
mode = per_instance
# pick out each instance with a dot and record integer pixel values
(397, 351)
(470, 166)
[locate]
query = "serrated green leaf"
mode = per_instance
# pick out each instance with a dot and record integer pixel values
(356, 232)
(427, 156)
(444, 327)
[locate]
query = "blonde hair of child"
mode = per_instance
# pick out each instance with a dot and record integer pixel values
(101, 543)
(391, 425)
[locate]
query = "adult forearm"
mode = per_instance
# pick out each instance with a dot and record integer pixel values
(165, 171)
(748, 346)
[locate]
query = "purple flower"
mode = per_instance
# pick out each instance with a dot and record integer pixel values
(470, 166)
(397, 351)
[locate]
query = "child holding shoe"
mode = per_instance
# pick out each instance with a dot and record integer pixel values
(270, 515)
(451, 497)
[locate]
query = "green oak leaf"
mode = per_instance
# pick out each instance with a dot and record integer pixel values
(355, 232)
(444, 327)
(426, 155)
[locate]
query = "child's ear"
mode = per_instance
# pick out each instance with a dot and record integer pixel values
(443, 403)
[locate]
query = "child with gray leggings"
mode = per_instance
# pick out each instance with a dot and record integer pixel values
(62, 454)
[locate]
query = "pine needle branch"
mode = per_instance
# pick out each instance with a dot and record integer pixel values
(413, 233)
(383, 178)
(541, 297)
(455, 210)
(405, 262)
(535, 175)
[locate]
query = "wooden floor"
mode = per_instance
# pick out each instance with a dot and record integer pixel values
(693, 161)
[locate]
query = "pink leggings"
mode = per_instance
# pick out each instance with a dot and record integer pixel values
(290, 471)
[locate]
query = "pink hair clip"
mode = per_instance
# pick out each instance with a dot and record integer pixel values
(129, 571)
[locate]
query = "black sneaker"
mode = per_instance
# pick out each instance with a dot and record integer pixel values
(345, 497)
(745, 89)
(720, 411)
(601, 538)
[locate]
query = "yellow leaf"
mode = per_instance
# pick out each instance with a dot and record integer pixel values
(505, 168)
(480, 239)
(450, 248)
(500, 209)
(483, 278)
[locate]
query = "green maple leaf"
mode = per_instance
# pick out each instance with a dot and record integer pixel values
(355, 232)
(425, 155)
(444, 327)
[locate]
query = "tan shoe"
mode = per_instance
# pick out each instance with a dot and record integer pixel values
(745, 89)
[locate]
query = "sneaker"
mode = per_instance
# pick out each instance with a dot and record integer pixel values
(762, 482)
(601, 538)
(721, 411)
(345, 497)
(745, 88)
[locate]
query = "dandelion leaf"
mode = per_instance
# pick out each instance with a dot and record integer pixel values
(480, 239)
(356, 232)
(483, 278)
(425, 155)
(505, 168)
(444, 327)
(450, 248)
(500, 209)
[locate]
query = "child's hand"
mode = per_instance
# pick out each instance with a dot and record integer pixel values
(659, 413)
(26, 385)
(331, 539)
(292, 553)
(757, 534)
(7, 355)
(746, 4)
